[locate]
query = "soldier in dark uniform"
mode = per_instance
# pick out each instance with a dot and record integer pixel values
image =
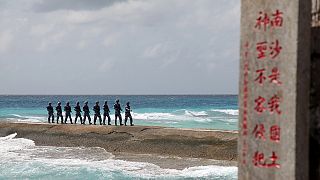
(59, 113)
(86, 113)
(117, 112)
(97, 114)
(67, 109)
(128, 114)
(106, 114)
(50, 113)
(78, 111)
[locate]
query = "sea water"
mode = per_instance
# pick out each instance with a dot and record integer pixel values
(182, 111)
(21, 159)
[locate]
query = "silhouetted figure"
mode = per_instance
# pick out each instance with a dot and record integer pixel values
(78, 111)
(67, 109)
(59, 113)
(86, 113)
(106, 113)
(97, 114)
(128, 114)
(117, 112)
(50, 113)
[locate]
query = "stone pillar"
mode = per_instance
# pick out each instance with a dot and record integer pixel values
(314, 162)
(274, 89)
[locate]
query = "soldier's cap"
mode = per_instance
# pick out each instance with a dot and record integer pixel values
(86, 102)
(128, 102)
(49, 103)
(68, 102)
(77, 102)
(105, 102)
(59, 102)
(97, 102)
(117, 100)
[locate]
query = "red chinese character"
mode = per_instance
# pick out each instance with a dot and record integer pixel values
(275, 133)
(244, 151)
(259, 131)
(277, 19)
(275, 76)
(274, 159)
(274, 104)
(259, 104)
(261, 48)
(258, 159)
(263, 20)
(246, 52)
(275, 49)
(261, 77)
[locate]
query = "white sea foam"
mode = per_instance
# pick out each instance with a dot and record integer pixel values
(21, 118)
(155, 116)
(233, 112)
(21, 158)
(187, 115)
(196, 114)
(10, 143)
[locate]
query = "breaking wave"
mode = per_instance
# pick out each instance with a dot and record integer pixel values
(20, 158)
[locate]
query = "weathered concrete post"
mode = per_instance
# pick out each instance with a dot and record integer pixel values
(314, 156)
(274, 89)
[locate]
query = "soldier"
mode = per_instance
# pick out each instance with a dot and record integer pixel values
(78, 111)
(50, 113)
(117, 113)
(59, 113)
(96, 110)
(86, 112)
(128, 114)
(106, 112)
(67, 109)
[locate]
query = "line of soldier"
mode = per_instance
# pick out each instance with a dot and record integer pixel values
(85, 108)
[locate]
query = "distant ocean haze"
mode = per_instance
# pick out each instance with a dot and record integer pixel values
(181, 111)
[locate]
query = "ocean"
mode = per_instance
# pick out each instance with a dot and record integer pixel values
(180, 111)
(21, 159)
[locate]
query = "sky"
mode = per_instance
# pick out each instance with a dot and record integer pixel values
(119, 46)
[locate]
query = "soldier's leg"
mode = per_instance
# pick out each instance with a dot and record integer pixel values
(89, 119)
(115, 119)
(84, 118)
(49, 118)
(104, 119)
(100, 119)
(70, 118)
(131, 122)
(61, 118)
(94, 119)
(57, 119)
(81, 119)
(125, 120)
(109, 120)
(52, 118)
(65, 120)
(75, 119)
(120, 117)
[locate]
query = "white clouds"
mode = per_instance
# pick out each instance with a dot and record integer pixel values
(111, 39)
(6, 39)
(78, 17)
(142, 39)
(41, 29)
